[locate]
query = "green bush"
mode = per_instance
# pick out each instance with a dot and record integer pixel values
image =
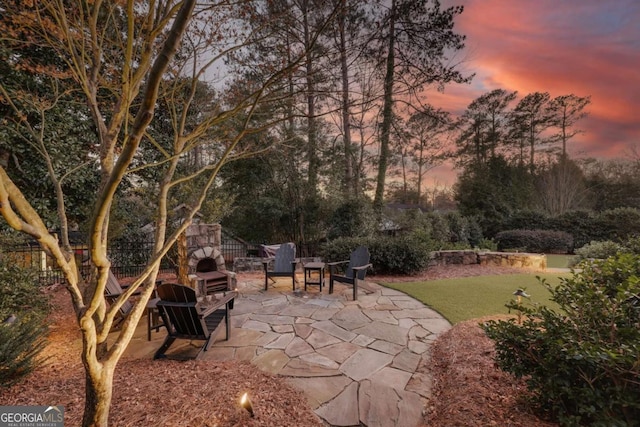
(580, 363)
(582, 225)
(632, 245)
(354, 218)
(596, 250)
(487, 244)
(389, 255)
(20, 344)
(621, 223)
(535, 240)
(21, 341)
(528, 220)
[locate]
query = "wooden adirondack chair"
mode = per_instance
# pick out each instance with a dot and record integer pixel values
(186, 318)
(356, 269)
(113, 290)
(284, 264)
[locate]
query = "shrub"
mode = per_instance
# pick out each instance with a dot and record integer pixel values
(632, 245)
(487, 244)
(535, 240)
(528, 220)
(404, 255)
(354, 218)
(389, 255)
(621, 223)
(596, 250)
(581, 224)
(21, 341)
(20, 344)
(580, 363)
(440, 231)
(459, 230)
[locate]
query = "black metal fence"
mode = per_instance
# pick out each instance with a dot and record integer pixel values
(128, 258)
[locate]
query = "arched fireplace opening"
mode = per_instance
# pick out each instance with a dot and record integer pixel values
(206, 264)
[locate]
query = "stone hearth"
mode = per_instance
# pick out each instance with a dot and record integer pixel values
(203, 248)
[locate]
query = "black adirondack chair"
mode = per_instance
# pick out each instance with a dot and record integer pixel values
(356, 269)
(112, 292)
(186, 318)
(284, 264)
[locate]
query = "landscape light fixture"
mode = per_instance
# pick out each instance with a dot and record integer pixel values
(521, 293)
(245, 402)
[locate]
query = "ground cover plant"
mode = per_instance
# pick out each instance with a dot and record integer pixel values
(464, 298)
(23, 308)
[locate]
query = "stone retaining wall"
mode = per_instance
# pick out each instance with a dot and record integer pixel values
(501, 259)
(464, 257)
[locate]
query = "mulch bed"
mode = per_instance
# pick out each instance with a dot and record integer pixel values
(468, 389)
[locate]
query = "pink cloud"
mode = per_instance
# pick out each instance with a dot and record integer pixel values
(587, 47)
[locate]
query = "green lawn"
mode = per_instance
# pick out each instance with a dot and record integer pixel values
(471, 297)
(558, 261)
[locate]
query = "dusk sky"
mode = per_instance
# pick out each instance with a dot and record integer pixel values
(584, 47)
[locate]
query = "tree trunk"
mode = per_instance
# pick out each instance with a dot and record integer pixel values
(312, 174)
(183, 267)
(387, 116)
(98, 393)
(349, 188)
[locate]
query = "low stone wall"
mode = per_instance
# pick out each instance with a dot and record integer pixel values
(501, 259)
(466, 257)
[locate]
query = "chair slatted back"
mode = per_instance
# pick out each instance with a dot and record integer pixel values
(113, 288)
(285, 256)
(178, 304)
(359, 257)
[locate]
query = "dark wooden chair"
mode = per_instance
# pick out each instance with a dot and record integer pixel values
(112, 292)
(356, 269)
(284, 264)
(186, 318)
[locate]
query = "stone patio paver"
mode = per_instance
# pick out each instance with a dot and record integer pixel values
(321, 389)
(365, 363)
(343, 410)
(355, 361)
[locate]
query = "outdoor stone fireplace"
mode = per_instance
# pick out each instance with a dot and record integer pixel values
(204, 255)
(203, 248)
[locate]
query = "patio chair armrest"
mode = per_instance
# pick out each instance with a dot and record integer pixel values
(220, 302)
(333, 265)
(362, 267)
(111, 297)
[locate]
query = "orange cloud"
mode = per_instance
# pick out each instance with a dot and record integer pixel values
(586, 47)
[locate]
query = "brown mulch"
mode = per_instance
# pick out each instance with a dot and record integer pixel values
(468, 389)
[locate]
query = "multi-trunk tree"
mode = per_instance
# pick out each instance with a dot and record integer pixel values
(122, 59)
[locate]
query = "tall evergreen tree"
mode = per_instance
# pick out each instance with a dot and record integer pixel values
(530, 119)
(412, 41)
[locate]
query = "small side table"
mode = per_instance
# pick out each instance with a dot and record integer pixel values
(309, 268)
(153, 317)
(154, 321)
